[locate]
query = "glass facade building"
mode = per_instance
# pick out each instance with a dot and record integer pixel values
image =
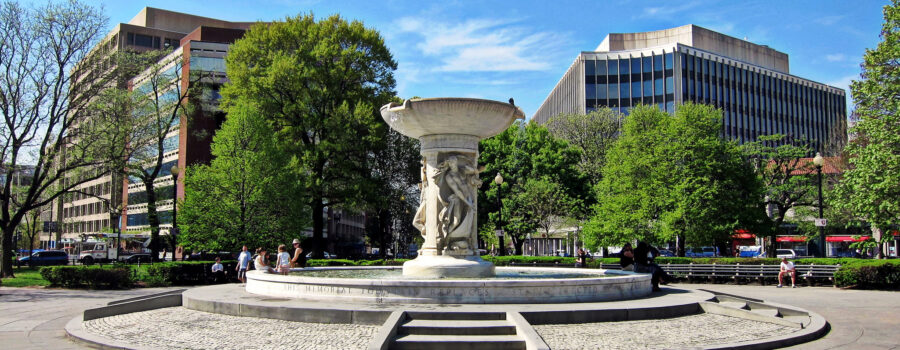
(754, 90)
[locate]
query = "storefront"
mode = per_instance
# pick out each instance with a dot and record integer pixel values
(839, 246)
(742, 238)
(795, 243)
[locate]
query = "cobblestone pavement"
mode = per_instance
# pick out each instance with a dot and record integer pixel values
(673, 333)
(35, 318)
(180, 328)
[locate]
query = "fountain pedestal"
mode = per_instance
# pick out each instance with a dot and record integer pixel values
(449, 130)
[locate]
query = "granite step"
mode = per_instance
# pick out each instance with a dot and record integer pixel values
(424, 315)
(458, 327)
(457, 342)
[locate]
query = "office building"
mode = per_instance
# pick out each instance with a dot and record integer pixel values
(92, 209)
(750, 83)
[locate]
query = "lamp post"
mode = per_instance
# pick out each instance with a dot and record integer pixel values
(117, 218)
(499, 181)
(174, 170)
(819, 162)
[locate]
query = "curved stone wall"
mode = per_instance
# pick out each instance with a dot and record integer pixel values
(624, 285)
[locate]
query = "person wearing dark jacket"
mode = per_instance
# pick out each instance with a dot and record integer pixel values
(626, 258)
(643, 255)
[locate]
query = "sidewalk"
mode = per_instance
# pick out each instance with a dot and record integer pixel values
(860, 319)
(35, 318)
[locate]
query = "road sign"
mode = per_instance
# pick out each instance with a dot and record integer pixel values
(499, 233)
(821, 222)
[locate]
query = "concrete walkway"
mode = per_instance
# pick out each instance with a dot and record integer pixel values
(35, 318)
(859, 319)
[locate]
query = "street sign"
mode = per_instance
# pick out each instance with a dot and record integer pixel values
(821, 222)
(499, 233)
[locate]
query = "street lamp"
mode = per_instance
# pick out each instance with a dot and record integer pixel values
(499, 181)
(819, 161)
(117, 218)
(174, 170)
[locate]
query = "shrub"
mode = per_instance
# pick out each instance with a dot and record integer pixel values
(182, 273)
(869, 274)
(94, 277)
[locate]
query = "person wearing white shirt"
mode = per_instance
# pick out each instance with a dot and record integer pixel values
(243, 264)
(787, 267)
(218, 270)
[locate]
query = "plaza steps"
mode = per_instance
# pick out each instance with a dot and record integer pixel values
(759, 310)
(457, 331)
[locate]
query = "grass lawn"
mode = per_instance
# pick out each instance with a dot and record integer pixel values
(26, 277)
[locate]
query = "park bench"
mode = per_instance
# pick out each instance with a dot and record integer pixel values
(812, 274)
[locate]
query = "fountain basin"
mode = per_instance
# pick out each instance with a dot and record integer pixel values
(608, 285)
(440, 116)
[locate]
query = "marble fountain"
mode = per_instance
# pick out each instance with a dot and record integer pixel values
(448, 269)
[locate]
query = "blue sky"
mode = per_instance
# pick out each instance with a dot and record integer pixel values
(520, 49)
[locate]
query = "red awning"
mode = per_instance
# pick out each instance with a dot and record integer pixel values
(790, 239)
(845, 238)
(743, 236)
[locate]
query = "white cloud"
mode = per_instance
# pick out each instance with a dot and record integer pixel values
(665, 11)
(837, 57)
(483, 45)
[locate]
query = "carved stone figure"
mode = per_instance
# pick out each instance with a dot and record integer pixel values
(458, 179)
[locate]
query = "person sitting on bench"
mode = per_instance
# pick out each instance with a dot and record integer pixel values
(787, 267)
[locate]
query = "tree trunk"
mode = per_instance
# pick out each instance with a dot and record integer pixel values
(318, 244)
(153, 220)
(384, 227)
(679, 245)
(6, 267)
(518, 243)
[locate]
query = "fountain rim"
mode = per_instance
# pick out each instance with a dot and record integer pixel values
(611, 277)
(408, 103)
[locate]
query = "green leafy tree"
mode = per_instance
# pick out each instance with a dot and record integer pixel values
(319, 84)
(871, 187)
(592, 133)
(521, 153)
(395, 165)
(671, 177)
(788, 177)
(246, 195)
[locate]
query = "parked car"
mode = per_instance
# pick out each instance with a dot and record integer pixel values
(785, 253)
(138, 258)
(47, 257)
(326, 255)
(702, 252)
(666, 252)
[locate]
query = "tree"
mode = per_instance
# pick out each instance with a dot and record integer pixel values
(319, 83)
(246, 195)
(871, 187)
(522, 153)
(395, 165)
(150, 116)
(47, 79)
(666, 177)
(545, 201)
(788, 177)
(592, 133)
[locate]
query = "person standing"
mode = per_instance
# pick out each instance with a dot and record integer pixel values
(243, 264)
(299, 259)
(787, 267)
(582, 259)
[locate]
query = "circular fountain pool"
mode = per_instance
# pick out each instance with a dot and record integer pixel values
(513, 285)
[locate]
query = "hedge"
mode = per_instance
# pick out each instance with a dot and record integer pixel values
(181, 273)
(116, 277)
(869, 274)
